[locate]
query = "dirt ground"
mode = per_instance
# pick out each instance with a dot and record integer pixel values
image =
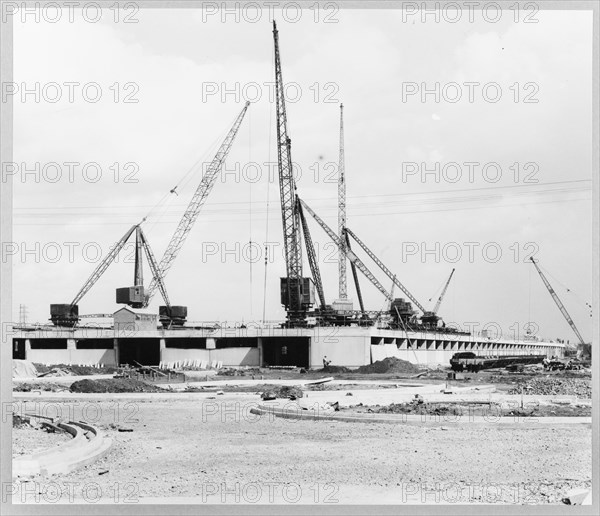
(216, 451)
(28, 440)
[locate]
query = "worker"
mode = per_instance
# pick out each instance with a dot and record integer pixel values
(325, 361)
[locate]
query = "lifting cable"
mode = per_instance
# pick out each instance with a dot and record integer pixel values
(267, 215)
(164, 202)
(567, 289)
(438, 291)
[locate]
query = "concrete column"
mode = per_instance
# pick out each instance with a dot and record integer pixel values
(71, 347)
(211, 343)
(116, 348)
(27, 349)
(260, 351)
(163, 346)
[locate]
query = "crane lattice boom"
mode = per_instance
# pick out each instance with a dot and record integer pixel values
(156, 274)
(141, 243)
(386, 270)
(558, 302)
(312, 256)
(441, 298)
(195, 205)
(103, 265)
(287, 189)
(354, 275)
(138, 273)
(351, 256)
(343, 291)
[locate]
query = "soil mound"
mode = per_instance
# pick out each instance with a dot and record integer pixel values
(388, 365)
(113, 385)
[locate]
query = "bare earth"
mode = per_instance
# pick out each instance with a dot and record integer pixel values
(29, 440)
(216, 451)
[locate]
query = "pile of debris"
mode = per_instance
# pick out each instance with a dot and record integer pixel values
(21, 421)
(113, 385)
(56, 371)
(334, 369)
(388, 365)
(150, 374)
(71, 369)
(416, 406)
(232, 371)
(432, 409)
(579, 387)
(38, 386)
(282, 392)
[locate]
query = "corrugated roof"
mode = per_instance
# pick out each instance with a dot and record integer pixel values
(140, 311)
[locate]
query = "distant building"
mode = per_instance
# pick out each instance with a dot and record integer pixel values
(135, 319)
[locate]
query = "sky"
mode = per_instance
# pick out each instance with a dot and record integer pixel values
(467, 146)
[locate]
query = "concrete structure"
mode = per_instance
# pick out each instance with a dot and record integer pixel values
(255, 346)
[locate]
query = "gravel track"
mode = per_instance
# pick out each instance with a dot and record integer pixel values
(192, 448)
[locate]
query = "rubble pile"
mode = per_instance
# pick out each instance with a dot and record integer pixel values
(113, 385)
(70, 369)
(334, 369)
(56, 371)
(232, 371)
(21, 422)
(38, 386)
(433, 409)
(282, 392)
(579, 387)
(388, 365)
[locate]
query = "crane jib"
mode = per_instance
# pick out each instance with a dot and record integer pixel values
(386, 270)
(558, 302)
(351, 256)
(195, 205)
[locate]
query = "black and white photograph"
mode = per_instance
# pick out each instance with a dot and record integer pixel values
(302, 256)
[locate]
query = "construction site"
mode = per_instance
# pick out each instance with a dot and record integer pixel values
(267, 412)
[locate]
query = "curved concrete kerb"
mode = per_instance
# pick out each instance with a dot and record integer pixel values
(87, 446)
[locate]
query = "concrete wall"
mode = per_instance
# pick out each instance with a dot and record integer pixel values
(72, 356)
(350, 346)
(229, 356)
(236, 356)
(429, 352)
(348, 351)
